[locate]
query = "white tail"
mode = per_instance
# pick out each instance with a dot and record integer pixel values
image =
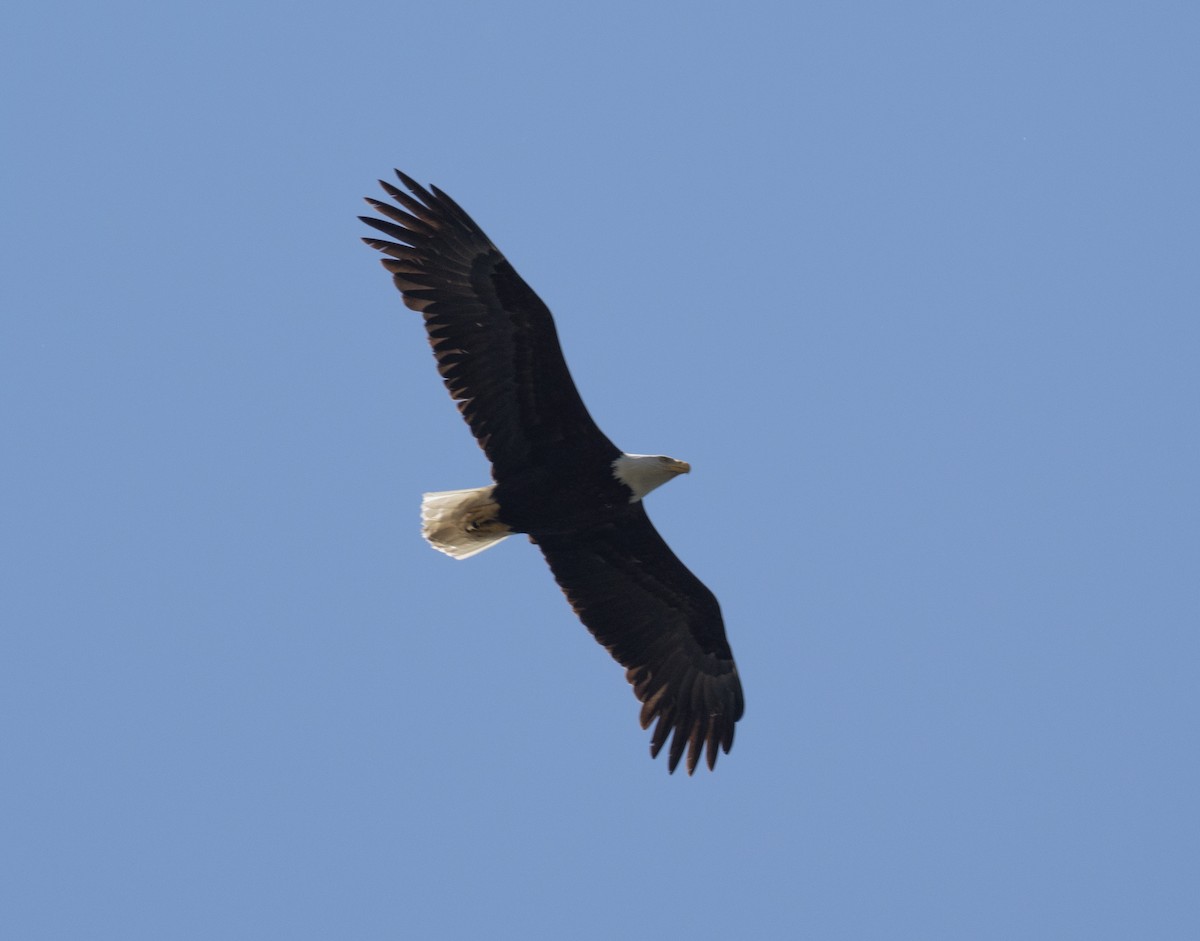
(461, 523)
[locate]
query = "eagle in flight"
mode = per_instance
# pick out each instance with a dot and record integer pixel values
(556, 476)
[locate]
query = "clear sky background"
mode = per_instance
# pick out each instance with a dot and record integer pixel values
(914, 287)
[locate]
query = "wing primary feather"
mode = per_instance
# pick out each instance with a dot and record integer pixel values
(416, 227)
(713, 743)
(678, 741)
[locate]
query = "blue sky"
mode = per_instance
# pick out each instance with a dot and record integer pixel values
(912, 286)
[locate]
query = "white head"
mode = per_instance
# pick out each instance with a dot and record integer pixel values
(641, 473)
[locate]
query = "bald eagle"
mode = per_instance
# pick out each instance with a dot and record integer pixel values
(556, 476)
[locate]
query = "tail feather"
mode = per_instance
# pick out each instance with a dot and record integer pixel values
(462, 523)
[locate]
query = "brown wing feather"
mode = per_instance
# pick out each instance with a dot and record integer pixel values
(662, 624)
(495, 341)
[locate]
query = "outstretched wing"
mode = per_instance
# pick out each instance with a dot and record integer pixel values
(495, 341)
(662, 624)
